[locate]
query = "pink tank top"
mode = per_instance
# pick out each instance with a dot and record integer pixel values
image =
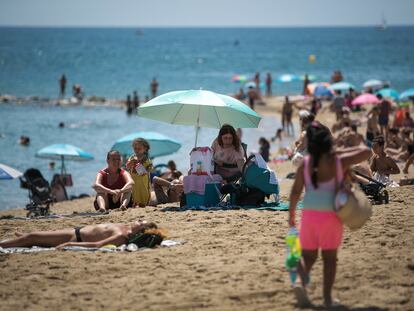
(327, 185)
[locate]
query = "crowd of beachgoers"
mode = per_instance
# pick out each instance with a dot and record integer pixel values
(229, 259)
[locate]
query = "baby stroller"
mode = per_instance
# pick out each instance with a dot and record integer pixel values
(253, 187)
(374, 190)
(40, 194)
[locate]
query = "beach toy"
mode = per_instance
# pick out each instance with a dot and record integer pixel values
(110, 246)
(312, 58)
(293, 253)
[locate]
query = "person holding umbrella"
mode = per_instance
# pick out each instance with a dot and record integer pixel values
(113, 185)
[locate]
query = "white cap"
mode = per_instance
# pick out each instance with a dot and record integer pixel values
(303, 113)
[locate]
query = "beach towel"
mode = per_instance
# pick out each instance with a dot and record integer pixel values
(267, 206)
(52, 216)
(123, 248)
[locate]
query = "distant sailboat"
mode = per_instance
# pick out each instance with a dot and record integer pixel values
(383, 25)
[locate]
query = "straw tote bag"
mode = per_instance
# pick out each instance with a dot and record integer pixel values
(351, 204)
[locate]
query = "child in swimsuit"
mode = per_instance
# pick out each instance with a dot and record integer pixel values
(320, 228)
(140, 166)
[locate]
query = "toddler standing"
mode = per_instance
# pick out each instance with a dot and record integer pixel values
(139, 166)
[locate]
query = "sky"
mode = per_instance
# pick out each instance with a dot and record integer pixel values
(204, 13)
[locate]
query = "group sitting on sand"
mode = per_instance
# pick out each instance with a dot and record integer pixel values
(119, 188)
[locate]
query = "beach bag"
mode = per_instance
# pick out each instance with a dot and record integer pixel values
(201, 161)
(66, 179)
(351, 204)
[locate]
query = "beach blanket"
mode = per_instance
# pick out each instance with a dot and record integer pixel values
(267, 206)
(52, 216)
(123, 248)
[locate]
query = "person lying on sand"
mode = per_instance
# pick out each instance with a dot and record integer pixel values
(89, 236)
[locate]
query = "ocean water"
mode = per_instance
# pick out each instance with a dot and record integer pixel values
(114, 62)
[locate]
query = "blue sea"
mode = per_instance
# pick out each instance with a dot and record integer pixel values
(112, 62)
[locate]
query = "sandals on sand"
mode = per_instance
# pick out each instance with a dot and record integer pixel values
(301, 296)
(334, 304)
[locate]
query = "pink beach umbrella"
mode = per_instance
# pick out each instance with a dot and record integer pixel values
(365, 99)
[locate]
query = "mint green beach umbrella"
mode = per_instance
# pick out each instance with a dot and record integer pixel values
(201, 109)
(407, 94)
(389, 93)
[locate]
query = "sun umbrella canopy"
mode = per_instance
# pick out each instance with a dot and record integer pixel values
(365, 99)
(160, 144)
(6, 172)
(373, 84)
(287, 78)
(341, 86)
(239, 79)
(310, 78)
(407, 94)
(201, 109)
(66, 151)
(322, 91)
(389, 93)
(312, 86)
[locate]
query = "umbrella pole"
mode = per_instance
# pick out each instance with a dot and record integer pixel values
(197, 129)
(63, 169)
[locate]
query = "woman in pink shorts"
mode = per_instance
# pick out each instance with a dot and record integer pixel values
(320, 228)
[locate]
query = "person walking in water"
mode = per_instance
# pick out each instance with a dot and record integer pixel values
(268, 84)
(320, 227)
(154, 87)
(62, 83)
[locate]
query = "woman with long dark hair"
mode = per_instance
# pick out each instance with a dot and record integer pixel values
(228, 153)
(320, 228)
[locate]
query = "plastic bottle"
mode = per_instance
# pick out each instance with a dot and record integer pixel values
(293, 253)
(199, 167)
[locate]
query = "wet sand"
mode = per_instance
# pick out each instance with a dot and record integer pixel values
(232, 260)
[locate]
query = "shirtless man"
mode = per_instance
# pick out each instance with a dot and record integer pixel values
(351, 138)
(372, 125)
(88, 236)
(381, 163)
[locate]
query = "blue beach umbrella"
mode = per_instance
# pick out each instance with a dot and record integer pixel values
(160, 144)
(341, 86)
(199, 108)
(6, 172)
(62, 152)
(407, 94)
(389, 93)
(285, 78)
(322, 91)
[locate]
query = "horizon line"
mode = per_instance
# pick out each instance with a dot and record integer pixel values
(203, 26)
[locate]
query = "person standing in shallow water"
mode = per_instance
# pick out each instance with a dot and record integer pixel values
(320, 227)
(268, 84)
(62, 83)
(128, 104)
(135, 101)
(154, 87)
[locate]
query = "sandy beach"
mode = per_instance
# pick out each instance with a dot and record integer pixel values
(231, 260)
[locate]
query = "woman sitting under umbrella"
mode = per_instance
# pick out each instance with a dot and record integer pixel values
(113, 185)
(228, 154)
